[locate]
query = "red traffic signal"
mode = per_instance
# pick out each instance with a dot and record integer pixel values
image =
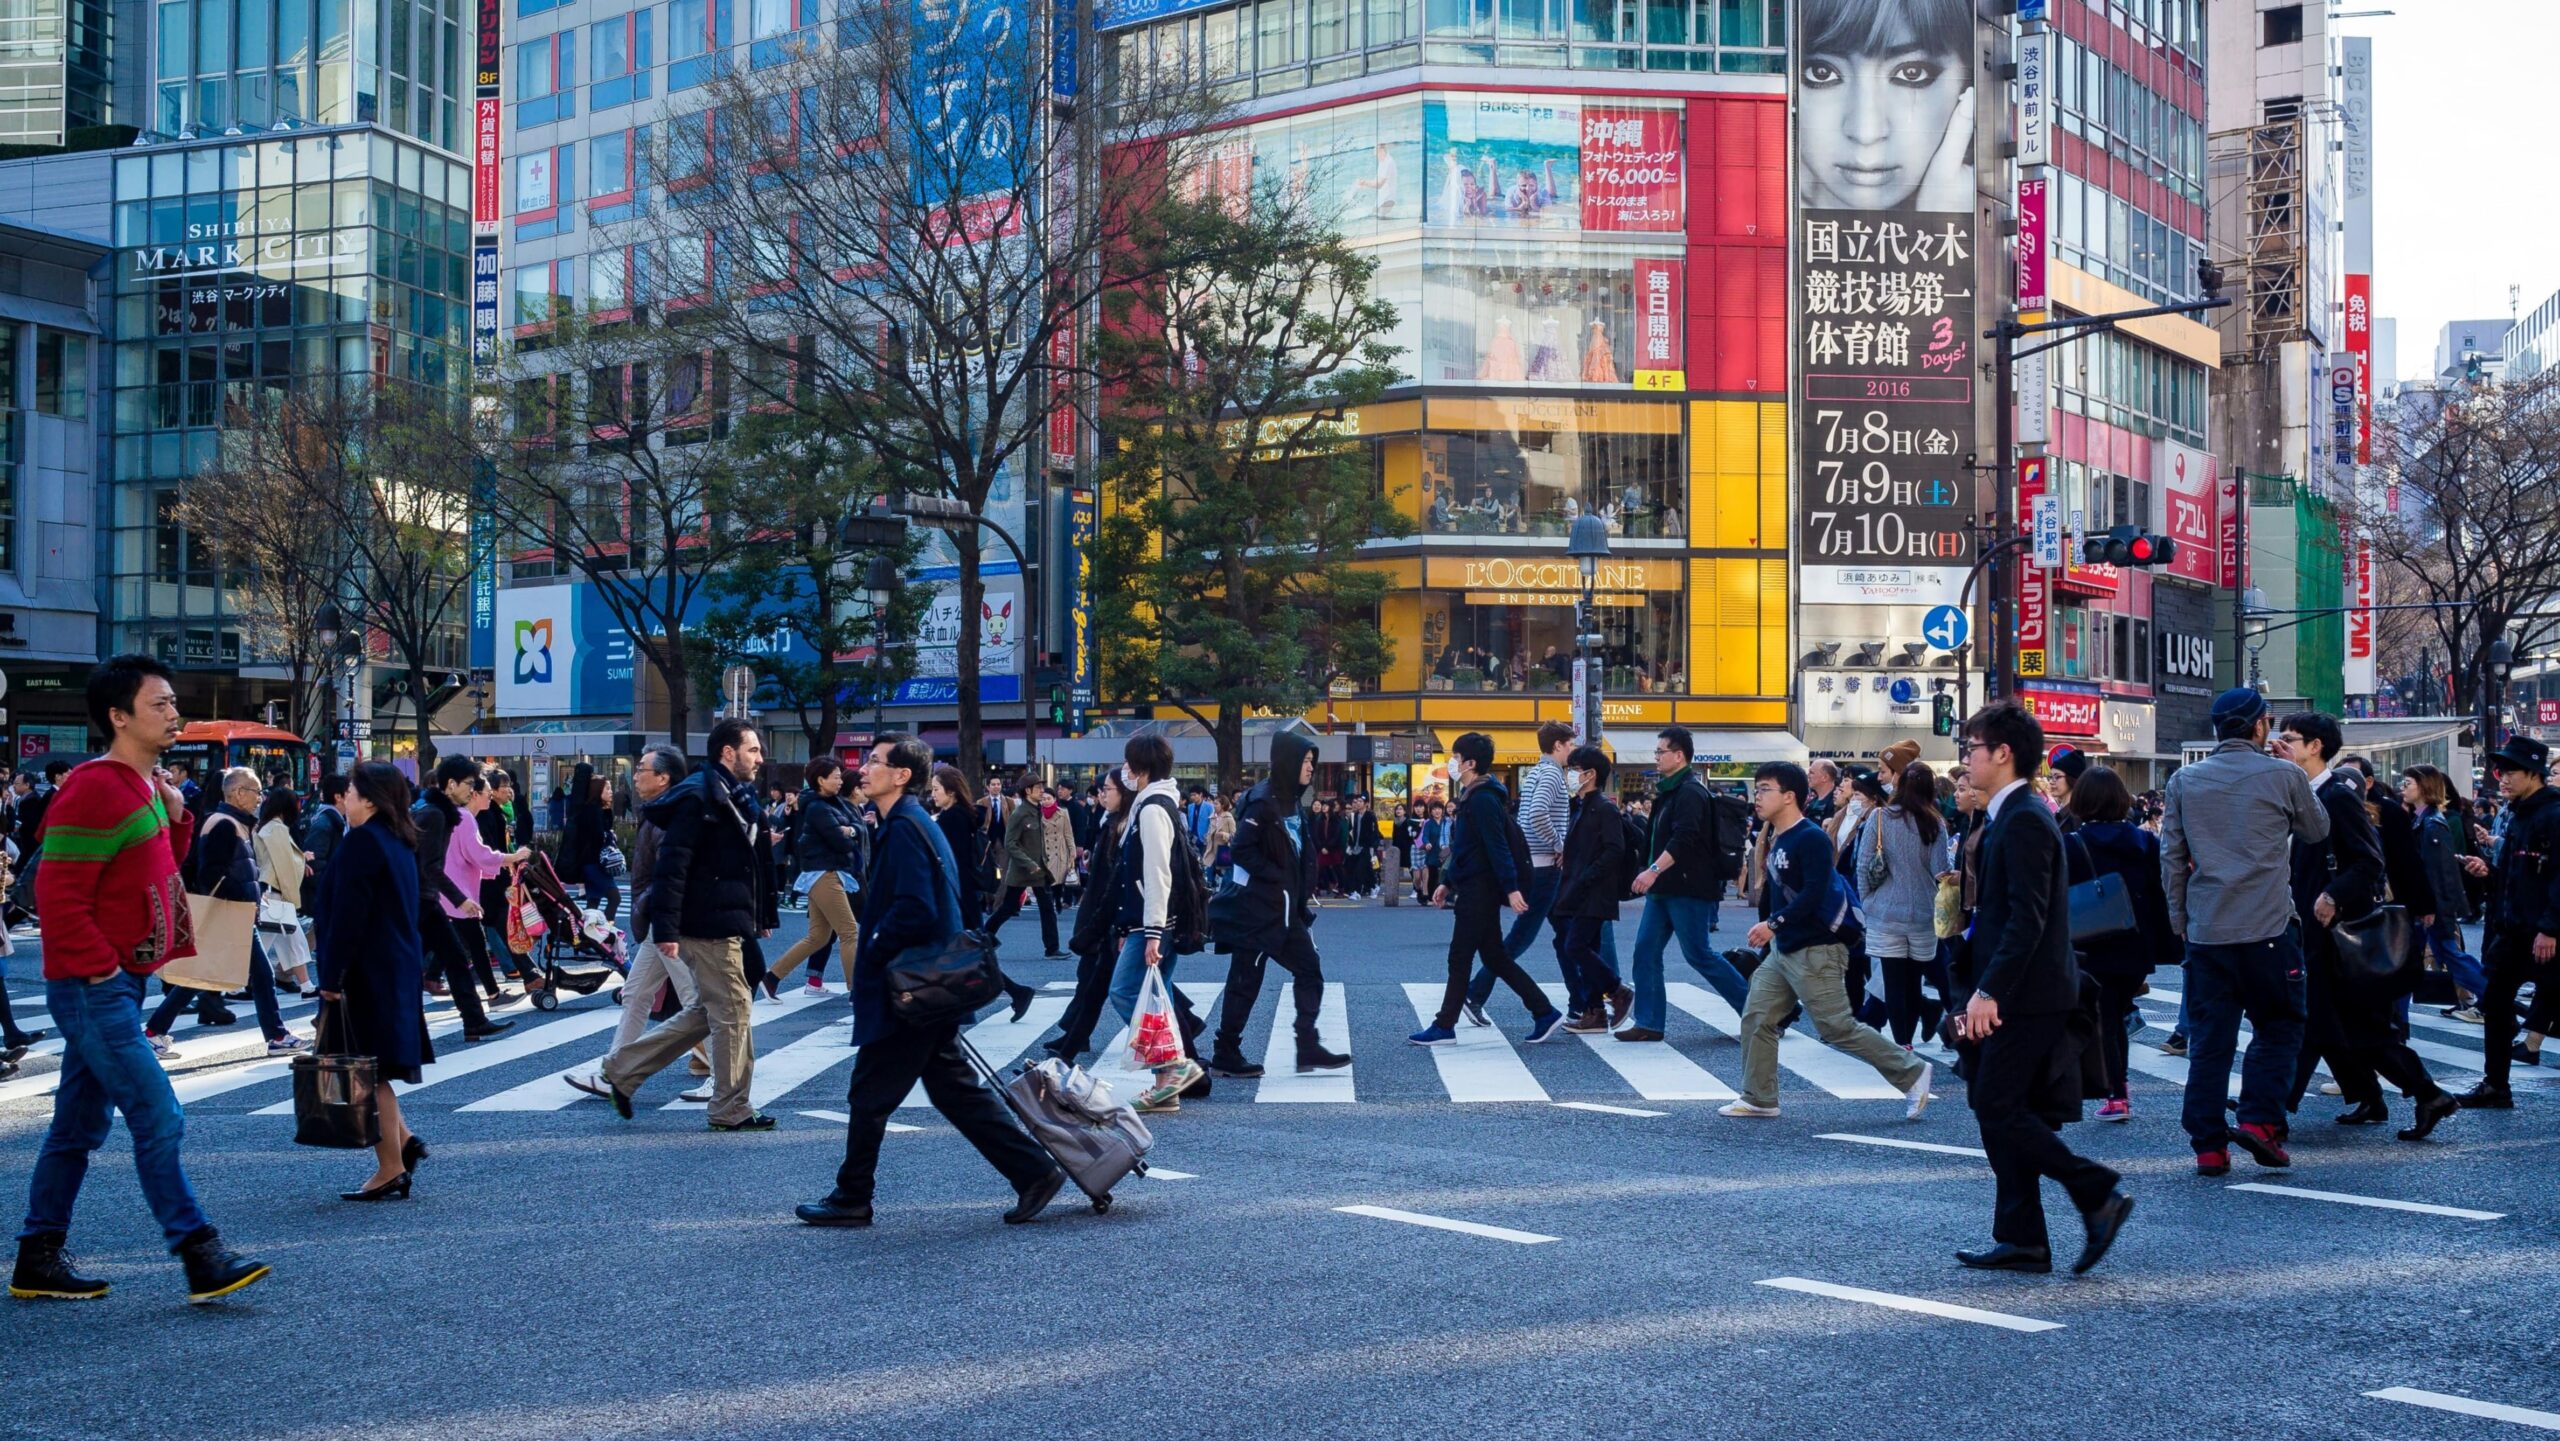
(2128, 545)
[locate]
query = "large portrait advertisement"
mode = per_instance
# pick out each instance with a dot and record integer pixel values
(1884, 305)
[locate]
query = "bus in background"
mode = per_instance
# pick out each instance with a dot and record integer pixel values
(211, 747)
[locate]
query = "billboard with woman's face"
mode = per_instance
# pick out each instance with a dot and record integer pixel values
(1885, 335)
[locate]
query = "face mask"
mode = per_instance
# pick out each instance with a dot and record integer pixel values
(1574, 779)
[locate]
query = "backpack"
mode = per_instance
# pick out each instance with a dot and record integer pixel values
(1518, 840)
(1729, 828)
(1640, 854)
(1187, 908)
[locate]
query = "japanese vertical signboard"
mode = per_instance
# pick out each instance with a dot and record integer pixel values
(2034, 587)
(2031, 247)
(2341, 376)
(487, 172)
(490, 13)
(1658, 337)
(1631, 169)
(1084, 514)
(487, 126)
(2360, 346)
(484, 302)
(2035, 99)
(2360, 638)
(2190, 495)
(1884, 239)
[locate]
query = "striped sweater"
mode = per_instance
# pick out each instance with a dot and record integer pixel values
(108, 889)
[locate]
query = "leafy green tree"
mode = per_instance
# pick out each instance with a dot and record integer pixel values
(1224, 575)
(805, 488)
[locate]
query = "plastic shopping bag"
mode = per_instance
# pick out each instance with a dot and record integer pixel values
(1154, 1037)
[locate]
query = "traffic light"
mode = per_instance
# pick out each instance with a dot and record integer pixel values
(1058, 706)
(1942, 714)
(2128, 545)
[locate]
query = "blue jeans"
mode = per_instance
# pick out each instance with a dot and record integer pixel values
(1694, 922)
(1540, 893)
(1130, 972)
(2444, 938)
(106, 1063)
(601, 891)
(2262, 980)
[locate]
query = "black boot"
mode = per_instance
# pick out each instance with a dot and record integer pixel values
(1227, 1060)
(44, 1273)
(1312, 1056)
(215, 1270)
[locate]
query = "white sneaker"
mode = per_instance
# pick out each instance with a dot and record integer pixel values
(701, 1097)
(1919, 1093)
(160, 1046)
(814, 988)
(2331, 1088)
(1745, 1108)
(287, 1044)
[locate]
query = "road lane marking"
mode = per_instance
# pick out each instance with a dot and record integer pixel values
(1844, 1076)
(1479, 1066)
(1443, 1223)
(1653, 1068)
(841, 1119)
(1159, 1173)
(1919, 1305)
(1280, 1079)
(1902, 1145)
(2465, 1406)
(1606, 1110)
(2379, 1203)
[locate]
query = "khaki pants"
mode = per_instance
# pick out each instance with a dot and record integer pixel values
(830, 919)
(718, 1011)
(1813, 976)
(650, 968)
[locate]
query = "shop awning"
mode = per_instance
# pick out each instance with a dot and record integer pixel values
(1510, 747)
(1714, 747)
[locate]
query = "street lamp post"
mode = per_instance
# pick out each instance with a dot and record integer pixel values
(880, 586)
(2501, 663)
(946, 514)
(1588, 546)
(2253, 629)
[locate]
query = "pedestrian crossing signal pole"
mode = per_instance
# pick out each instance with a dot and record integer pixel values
(1589, 545)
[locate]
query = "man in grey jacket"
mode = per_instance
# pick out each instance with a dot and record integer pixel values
(2226, 833)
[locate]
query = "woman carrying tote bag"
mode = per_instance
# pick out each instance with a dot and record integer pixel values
(372, 976)
(2122, 964)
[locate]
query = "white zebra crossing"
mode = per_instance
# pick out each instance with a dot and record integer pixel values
(1846, 1077)
(999, 1040)
(1653, 1068)
(1480, 1065)
(553, 1092)
(1281, 1083)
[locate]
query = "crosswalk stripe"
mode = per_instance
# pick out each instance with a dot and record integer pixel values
(1653, 1068)
(786, 1068)
(2466, 1406)
(1479, 1066)
(1280, 1079)
(1918, 1304)
(196, 1044)
(999, 1040)
(442, 1020)
(2463, 1067)
(841, 1119)
(2465, 1060)
(453, 1066)
(1844, 1076)
(554, 1093)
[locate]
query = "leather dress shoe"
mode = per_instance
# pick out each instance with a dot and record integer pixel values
(2104, 1220)
(829, 1211)
(2486, 1097)
(2366, 1113)
(1035, 1198)
(2004, 1257)
(2432, 1112)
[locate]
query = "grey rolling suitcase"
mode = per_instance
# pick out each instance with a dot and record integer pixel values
(1095, 1140)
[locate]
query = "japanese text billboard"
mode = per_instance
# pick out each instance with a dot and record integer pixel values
(2190, 499)
(1547, 162)
(1885, 336)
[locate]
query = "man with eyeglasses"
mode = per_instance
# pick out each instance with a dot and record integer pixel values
(1682, 887)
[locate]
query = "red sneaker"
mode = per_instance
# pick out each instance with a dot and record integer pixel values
(2264, 1144)
(2216, 1162)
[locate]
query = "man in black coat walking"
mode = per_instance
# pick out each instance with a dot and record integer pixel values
(712, 889)
(2524, 912)
(2025, 987)
(1275, 850)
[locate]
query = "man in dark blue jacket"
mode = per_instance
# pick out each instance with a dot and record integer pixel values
(712, 889)
(912, 898)
(1271, 848)
(1803, 913)
(1486, 876)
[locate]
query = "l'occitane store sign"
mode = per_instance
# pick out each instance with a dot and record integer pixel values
(1556, 577)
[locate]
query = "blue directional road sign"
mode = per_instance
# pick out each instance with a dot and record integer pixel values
(1903, 691)
(1945, 627)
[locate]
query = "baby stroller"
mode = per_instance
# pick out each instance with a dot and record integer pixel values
(557, 933)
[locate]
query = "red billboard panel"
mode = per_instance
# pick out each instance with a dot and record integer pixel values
(1631, 166)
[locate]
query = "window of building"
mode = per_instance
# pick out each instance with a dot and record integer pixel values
(62, 375)
(612, 167)
(547, 79)
(697, 31)
(618, 60)
(2281, 25)
(1534, 478)
(1509, 641)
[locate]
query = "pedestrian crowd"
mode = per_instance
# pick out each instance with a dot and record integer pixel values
(2012, 913)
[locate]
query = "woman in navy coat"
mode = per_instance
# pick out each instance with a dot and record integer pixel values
(372, 977)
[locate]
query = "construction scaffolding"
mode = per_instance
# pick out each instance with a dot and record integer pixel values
(2273, 258)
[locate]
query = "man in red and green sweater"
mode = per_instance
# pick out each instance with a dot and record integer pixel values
(114, 912)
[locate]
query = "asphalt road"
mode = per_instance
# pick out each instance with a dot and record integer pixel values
(564, 1275)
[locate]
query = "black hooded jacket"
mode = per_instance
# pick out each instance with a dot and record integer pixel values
(714, 874)
(1279, 866)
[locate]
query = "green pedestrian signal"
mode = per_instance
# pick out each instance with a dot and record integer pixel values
(1942, 714)
(1058, 705)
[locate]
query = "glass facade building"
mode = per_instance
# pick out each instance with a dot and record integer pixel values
(220, 65)
(54, 69)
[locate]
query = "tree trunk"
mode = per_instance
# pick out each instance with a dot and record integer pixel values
(965, 658)
(1230, 733)
(418, 709)
(824, 742)
(672, 670)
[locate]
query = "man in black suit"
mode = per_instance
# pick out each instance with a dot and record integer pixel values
(2025, 987)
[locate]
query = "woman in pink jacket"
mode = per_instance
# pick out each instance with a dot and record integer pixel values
(467, 862)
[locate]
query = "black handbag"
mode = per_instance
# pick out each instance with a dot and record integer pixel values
(946, 981)
(334, 1105)
(2374, 947)
(2101, 909)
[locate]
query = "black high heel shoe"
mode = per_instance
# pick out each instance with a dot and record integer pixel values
(397, 1186)
(1022, 998)
(412, 1151)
